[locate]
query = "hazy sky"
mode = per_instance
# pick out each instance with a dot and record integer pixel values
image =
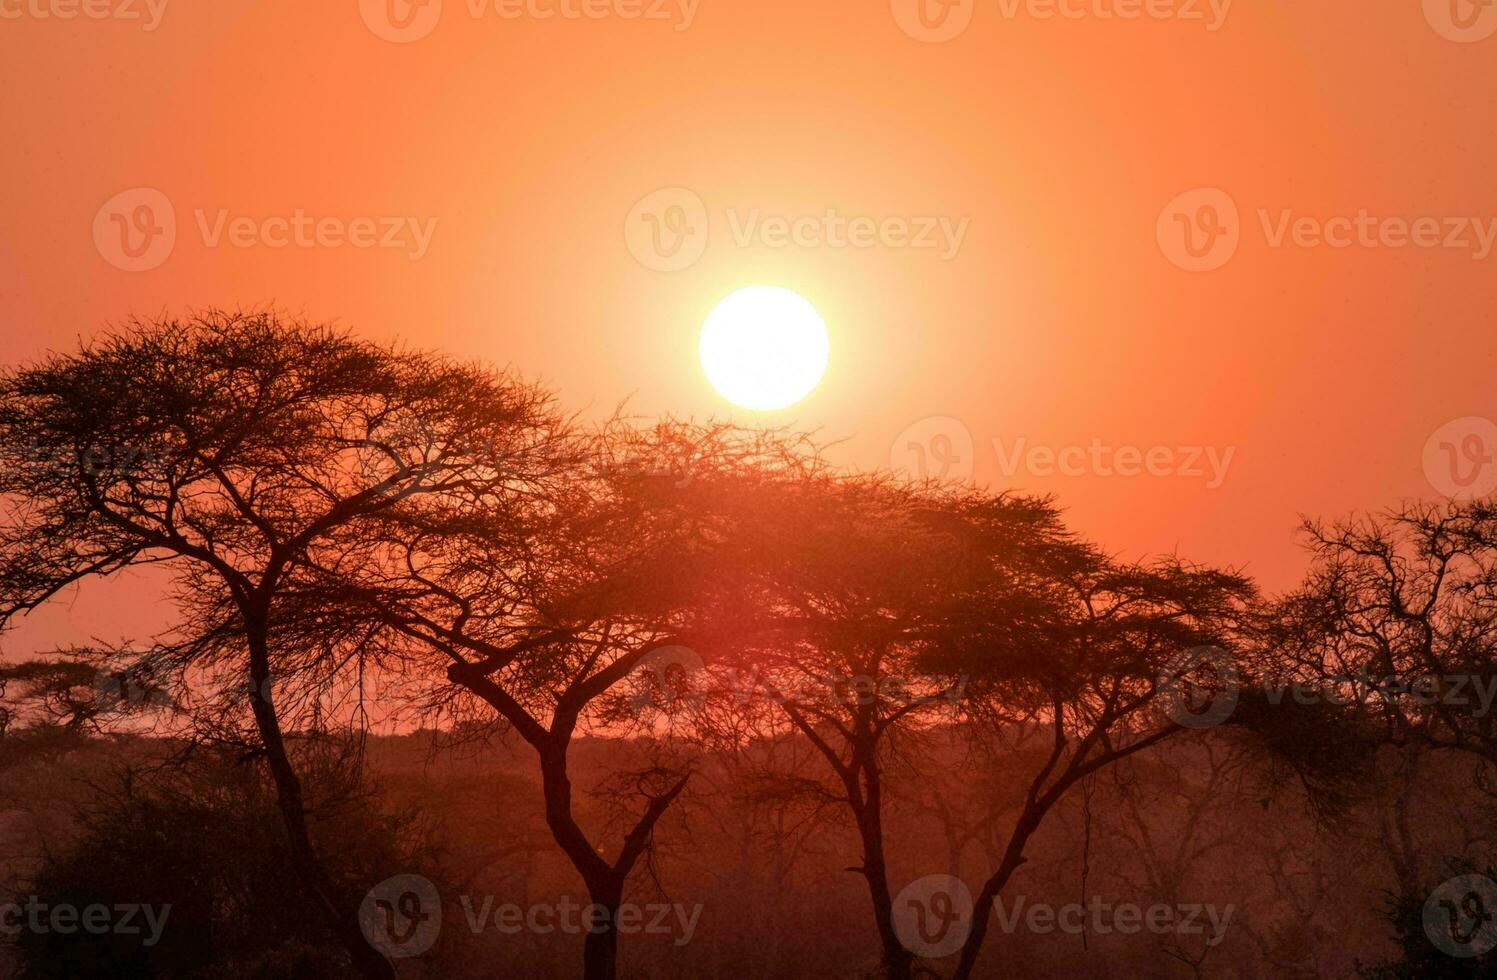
(538, 190)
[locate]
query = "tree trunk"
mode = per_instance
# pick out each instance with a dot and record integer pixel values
(898, 961)
(604, 885)
(604, 881)
(342, 920)
(600, 951)
(982, 909)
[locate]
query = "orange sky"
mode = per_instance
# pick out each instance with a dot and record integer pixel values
(520, 143)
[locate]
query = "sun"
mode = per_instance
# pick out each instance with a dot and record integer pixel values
(764, 348)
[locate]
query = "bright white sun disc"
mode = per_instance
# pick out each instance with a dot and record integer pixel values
(764, 347)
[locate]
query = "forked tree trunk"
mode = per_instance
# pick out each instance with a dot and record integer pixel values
(604, 881)
(898, 960)
(341, 919)
(605, 885)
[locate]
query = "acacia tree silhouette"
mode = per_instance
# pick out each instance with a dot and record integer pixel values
(895, 604)
(541, 608)
(229, 447)
(1400, 607)
(1094, 671)
(850, 576)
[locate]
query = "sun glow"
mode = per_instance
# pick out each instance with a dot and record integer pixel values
(764, 348)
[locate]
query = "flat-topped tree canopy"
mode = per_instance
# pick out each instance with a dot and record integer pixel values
(232, 447)
(237, 440)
